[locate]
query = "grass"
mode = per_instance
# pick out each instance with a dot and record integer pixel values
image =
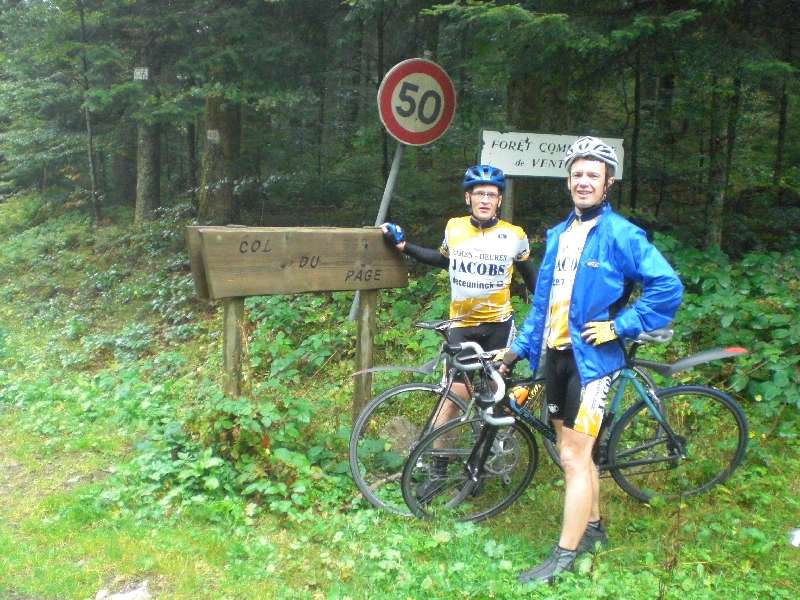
(58, 546)
(84, 396)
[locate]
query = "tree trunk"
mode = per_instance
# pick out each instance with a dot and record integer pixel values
(148, 172)
(357, 80)
(95, 202)
(321, 117)
(780, 147)
(666, 94)
(637, 114)
(716, 173)
(788, 34)
(216, 203)
(191, 152)
(733, 122)
(122, 186)
(380, 36)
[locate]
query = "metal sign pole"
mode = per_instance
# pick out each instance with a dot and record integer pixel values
(383, 209)
(390, 181)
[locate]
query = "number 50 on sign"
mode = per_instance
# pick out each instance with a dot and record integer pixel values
(416, 101)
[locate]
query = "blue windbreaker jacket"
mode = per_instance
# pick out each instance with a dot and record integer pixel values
(615, 250)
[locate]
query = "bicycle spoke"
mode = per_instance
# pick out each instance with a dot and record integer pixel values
(384, 435)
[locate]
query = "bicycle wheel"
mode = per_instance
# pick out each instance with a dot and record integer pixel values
(384, 434)
(435, 481)
(709, 424)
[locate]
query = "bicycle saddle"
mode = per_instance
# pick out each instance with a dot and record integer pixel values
(442, 325)
(657, 336)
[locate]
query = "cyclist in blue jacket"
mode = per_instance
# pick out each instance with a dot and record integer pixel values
(575, 321)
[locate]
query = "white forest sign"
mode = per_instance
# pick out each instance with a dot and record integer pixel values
(527, 154)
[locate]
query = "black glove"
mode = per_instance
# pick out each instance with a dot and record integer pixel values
(509, 360)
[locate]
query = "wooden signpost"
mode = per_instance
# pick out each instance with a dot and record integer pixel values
(416, 103)
(233, 262)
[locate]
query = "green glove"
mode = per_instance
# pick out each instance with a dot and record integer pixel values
(599, 332)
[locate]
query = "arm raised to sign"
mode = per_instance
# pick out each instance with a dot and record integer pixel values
(428, 256)
(395, 235)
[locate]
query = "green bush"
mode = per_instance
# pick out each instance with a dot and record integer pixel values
(751, 303)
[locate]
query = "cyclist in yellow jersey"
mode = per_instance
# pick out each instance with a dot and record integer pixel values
(480, 252)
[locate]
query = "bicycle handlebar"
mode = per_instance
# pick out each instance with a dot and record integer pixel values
(500, 385)
(455, 349)
(489, 418)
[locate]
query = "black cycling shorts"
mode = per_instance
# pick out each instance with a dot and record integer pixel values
(581, 408)
(491, 336)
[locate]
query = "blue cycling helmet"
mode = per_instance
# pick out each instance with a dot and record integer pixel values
(484, 174)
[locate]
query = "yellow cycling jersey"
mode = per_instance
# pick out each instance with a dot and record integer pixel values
(570, 248)
(481, 265)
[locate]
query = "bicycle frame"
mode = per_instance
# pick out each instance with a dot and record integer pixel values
(628, 376)
(530, 419)
(649, 396)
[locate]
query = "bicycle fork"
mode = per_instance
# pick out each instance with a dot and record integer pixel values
(476, 463)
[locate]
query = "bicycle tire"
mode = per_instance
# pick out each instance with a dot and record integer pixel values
(510, 466)
(630, 398)
(383, 435)
(710, 423)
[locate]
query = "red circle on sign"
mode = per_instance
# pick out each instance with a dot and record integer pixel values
(386, 91)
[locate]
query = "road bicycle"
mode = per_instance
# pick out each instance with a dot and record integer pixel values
(391, 424)
(672, 442)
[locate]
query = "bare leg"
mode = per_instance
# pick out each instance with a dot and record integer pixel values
(450, 410)
(594, 515)
(579, 497)
(558, 425)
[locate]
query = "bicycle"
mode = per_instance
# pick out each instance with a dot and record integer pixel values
(391, 424)
(676, 441)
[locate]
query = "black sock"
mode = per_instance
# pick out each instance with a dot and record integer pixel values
(595, 524)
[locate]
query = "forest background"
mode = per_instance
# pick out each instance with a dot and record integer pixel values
(121, 460)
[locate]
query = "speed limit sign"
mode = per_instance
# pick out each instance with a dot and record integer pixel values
(416, 101)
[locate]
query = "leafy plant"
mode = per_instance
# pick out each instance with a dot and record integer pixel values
(751, 303)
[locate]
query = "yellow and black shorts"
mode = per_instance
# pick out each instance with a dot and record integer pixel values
(580, 407)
